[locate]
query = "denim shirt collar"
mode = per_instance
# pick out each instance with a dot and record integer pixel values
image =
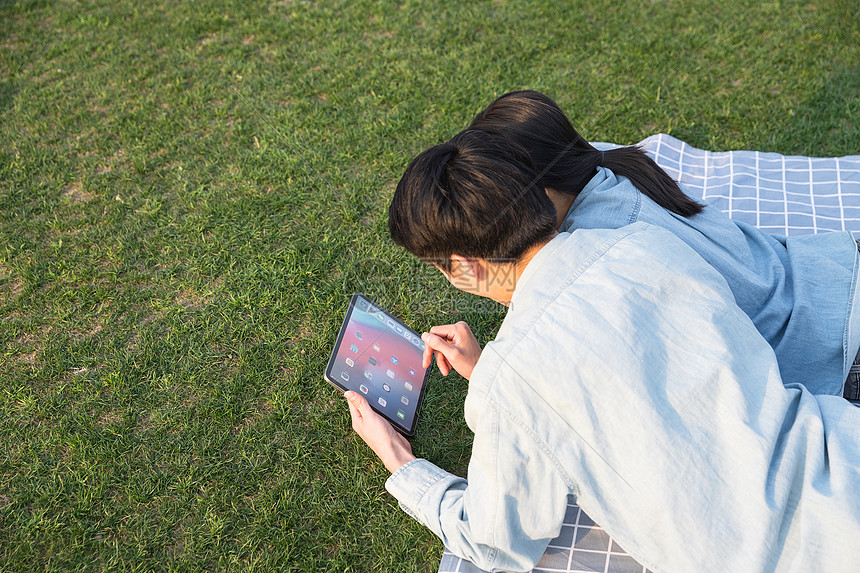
(603, 176)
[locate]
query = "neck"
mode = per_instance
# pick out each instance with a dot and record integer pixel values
(529, 255)
(506, 290)
(561, 202)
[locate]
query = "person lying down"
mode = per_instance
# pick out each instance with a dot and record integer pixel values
(625, 373)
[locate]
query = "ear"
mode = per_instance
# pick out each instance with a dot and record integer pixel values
(475, 267)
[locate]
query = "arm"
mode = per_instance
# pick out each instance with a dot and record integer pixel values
(514, 500)
(512, 504)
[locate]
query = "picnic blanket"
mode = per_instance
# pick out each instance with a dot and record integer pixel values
(784, 195)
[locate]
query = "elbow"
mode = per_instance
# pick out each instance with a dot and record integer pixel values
(489, 558)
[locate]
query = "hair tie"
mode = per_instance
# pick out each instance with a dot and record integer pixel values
(450, 152)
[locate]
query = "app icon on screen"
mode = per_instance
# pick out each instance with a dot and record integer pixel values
(416, 341)
(345, 376)
(405, 400)
(372, 360)
(389, 373)
(394, 359)
(362, 304)
(386, 387)
(412, 372)
(382, 401)
(380, 316)
(400, 329)
(390, 323)
(358, 335)
(400, 414)
(408, 386)
(376, 347)
(363, 389)
(349, 362)
(353, 347)
(368, 375)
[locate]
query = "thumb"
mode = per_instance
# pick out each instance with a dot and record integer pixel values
(355, 400)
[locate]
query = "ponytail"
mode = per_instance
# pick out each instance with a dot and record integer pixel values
(565, 161)
(634, 164)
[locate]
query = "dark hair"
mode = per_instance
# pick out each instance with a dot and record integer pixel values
(563, 158)
(473, 196)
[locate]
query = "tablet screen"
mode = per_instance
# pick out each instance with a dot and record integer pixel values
(380, 357)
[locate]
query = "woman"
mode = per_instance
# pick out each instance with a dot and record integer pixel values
(799, 291)
(625, 374)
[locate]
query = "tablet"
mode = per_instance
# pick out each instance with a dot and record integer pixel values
(380, 357)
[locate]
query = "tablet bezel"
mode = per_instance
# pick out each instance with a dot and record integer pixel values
(410, 432)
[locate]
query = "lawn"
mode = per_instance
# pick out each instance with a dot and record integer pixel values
(190, 191)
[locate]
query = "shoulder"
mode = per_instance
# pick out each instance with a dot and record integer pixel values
(644, 255)
(639, 240)
(597, 272)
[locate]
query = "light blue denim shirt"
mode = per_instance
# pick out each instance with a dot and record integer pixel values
(624, 374)
(799, 291)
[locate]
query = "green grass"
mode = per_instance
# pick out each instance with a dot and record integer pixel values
(190, 190)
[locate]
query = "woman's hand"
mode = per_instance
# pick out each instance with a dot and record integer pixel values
(455, 347)
(392, 448)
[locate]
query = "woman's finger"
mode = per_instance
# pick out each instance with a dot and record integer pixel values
(427, 359)
(443, 363)
(444, 331)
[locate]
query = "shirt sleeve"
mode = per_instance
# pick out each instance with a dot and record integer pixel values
(504, 515)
